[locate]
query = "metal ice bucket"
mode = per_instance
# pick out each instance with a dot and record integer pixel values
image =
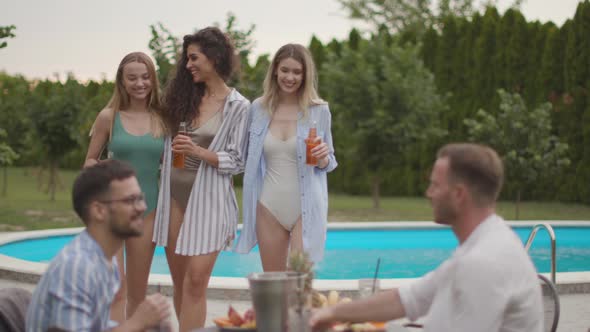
(278, 301)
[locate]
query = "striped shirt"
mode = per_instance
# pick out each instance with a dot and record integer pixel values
(76, 291)
(211, 217)
(313, 181)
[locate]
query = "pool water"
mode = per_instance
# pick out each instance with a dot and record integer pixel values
(353, 254)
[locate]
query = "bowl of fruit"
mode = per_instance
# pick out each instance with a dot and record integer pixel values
(236, 321)
(358, 327)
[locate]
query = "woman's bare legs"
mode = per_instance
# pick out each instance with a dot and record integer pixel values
(119, 301)
(194, 299)
(297, 236)
(140, 252)
(274, 239)
(176, 263)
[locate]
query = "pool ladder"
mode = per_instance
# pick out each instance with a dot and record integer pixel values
(551, 233)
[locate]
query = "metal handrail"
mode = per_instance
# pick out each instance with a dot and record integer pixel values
(551, 233)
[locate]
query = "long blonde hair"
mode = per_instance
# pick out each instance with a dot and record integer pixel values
(307, 94)
(120, 99)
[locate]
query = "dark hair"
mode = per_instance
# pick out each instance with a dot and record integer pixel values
(183, 96)
(95, 181)
(477, 166)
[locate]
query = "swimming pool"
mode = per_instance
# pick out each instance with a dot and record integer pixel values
(352, 253)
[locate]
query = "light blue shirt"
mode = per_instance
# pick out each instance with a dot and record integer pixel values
(76, 291)
(313, 183)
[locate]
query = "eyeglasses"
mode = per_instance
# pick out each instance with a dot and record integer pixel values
(135, 200)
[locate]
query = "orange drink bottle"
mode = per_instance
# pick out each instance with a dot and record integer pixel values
(311, 143)
(178, 158)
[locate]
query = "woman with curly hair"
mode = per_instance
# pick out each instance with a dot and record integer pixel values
(197, 211)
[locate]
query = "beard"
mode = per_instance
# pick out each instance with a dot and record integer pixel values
(445, 213)
(124, 230)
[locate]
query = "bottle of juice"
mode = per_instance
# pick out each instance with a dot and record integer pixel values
(178, 158)
(311, 143)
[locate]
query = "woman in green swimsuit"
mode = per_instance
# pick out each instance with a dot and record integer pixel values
(132, 131)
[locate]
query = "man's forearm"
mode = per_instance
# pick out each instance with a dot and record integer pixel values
(128, 326)
(383, 306)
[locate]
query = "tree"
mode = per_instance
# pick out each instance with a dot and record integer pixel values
(550, 77)
(96, 96)
(7, 154)
(523, 139)
(354, 38)
(14, 93)
(577, 71)
(511, 58)
(428, 51)
(445, 64)
(251, 78)
(318, 52)
(54, 111)
(390, 107)
(485, 48)
(165, 49)
(7, 157)
(243, 41)
(6, 32)
(334, 46)
(408, 16)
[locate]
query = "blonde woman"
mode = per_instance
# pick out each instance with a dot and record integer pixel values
(130, 128)
(285, 201)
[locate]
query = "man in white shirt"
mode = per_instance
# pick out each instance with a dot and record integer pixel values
(489, 284)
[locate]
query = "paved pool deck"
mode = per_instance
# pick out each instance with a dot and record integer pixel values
(574, 287)
(575, 308)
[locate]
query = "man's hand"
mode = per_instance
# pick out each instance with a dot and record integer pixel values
(154, 309)
(321, 318)
(380, 307)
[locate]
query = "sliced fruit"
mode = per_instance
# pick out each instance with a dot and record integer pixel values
(380, 325)
(249, 316)
(249, 325)
(234, 317)
(222, 322)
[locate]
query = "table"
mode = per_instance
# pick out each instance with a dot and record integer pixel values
(390, 328)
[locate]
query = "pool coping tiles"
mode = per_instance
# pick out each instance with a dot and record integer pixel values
(226, 288)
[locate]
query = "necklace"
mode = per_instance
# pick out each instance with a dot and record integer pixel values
(213, 94)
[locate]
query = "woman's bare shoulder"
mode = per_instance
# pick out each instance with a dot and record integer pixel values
(104, 119)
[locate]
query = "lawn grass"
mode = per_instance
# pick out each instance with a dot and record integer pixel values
(359, 208)
(26, 207)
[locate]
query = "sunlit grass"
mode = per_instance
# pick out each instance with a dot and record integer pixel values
(27, 207)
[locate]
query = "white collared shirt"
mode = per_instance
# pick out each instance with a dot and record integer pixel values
(489, 284)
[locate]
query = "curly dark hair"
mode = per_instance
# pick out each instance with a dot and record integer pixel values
(183, 97)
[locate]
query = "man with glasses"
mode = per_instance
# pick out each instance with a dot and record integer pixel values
(76, 291)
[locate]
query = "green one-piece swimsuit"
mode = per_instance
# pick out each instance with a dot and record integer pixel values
(143, 153)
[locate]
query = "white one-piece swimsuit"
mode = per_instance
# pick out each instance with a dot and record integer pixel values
(280, 191)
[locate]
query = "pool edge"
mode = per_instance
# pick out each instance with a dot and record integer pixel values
(228, 288)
